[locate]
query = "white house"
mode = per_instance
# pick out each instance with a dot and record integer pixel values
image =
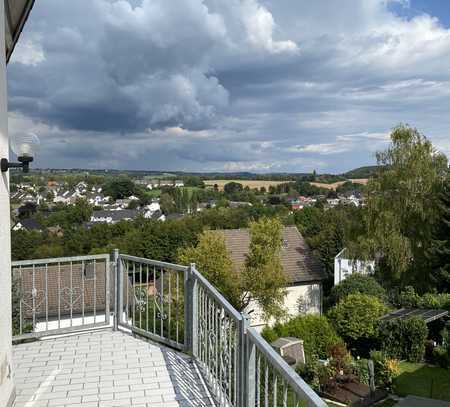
(304, 274)
(344, 266)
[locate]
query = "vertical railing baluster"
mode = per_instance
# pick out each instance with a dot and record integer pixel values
(127, 278)
(95, 291)
(46, 296)
(133, 290)
(178, 306)
(285, 394)
(71, 293)
(266, 383)
(83, 274)
(146, 298)
(21, 290)
(155, 293)
(161, 310)
(169, 273)
(59, 295)
(33, 301)
(140, 295)
(275, 388)
(258, 380)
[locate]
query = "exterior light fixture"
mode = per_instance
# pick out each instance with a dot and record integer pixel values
(24, 146)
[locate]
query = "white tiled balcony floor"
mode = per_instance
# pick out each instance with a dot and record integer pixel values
(105, 368)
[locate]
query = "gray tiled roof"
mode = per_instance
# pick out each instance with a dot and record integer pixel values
(297, 259)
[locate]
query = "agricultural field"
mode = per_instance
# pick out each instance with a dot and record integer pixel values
(250, 183)
(334, 185)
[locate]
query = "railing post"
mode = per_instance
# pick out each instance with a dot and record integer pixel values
(117, 289)
(190, 310)
(250, 375)
(243, 362)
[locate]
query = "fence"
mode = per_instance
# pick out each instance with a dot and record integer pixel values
(168, 303)
(177, 306)
(53, 296)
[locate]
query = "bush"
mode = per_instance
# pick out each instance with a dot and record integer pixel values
(386, 369)
(356, 316)
(441, 357)
(357, 284)
(409, 298)
(361, 370)
(404, 338)
(317, 333)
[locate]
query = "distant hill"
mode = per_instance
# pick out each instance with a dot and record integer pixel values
(361, 172)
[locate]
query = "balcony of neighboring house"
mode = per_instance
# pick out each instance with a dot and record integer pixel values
(119, 330)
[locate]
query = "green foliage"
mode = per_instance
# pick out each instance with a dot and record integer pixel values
(441, 356)
(119, 187)
(386, 369)
(316, 331)
(409, 298)
(193, 181)
(232, 187)
(263, 276)
(438, 255)
(356, 316)
(403, 206)
(404, 338)
(212, 259)
(357, 284)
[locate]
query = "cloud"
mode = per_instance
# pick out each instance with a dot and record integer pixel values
(251, 85)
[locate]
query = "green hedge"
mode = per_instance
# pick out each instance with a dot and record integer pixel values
(404, 338)
(317, 333)
(356, 284)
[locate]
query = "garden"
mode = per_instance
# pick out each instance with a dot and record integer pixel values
(409, 356)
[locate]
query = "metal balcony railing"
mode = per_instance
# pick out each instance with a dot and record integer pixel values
(168, 303)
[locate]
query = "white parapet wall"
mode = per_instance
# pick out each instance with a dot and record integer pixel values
(6, 376)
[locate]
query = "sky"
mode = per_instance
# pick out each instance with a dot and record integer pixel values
(235, 85)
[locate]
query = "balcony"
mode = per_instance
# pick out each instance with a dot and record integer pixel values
(126, 331)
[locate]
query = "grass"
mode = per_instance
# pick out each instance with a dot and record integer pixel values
(421, 380)
(246, 183)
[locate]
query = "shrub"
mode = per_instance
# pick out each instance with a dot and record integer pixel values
(409, 298)
(317, 333)
(361, 370)
(441, 357)
(357, 284)
(386, 369)
(404, 338)
(356, 316)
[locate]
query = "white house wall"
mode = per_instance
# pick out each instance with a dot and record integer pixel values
(311, 295)
(6, 383)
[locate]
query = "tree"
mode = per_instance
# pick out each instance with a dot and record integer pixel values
(119, 187)
(357, 284)
(438, 254)
(263, 274)
(233, 187)
(213, 261)
(356, 317)
(403, 206)
(260, 282)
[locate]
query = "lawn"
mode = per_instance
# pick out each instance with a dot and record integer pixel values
(421, 380)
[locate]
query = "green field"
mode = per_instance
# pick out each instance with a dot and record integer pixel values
(421, 380)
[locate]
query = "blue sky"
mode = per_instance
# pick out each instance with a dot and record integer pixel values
(236, 85)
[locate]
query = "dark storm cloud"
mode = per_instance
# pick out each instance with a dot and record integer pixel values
(259, 85)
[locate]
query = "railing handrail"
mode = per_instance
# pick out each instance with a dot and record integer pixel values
(32, 262)
(289, 374)
(156, 263)
(217, 295)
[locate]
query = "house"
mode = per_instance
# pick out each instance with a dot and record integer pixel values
(28, 224)
(105, 216)
(303, 273)
(345, 266)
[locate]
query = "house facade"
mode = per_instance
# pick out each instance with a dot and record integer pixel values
(304, 274)
(345, 266)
